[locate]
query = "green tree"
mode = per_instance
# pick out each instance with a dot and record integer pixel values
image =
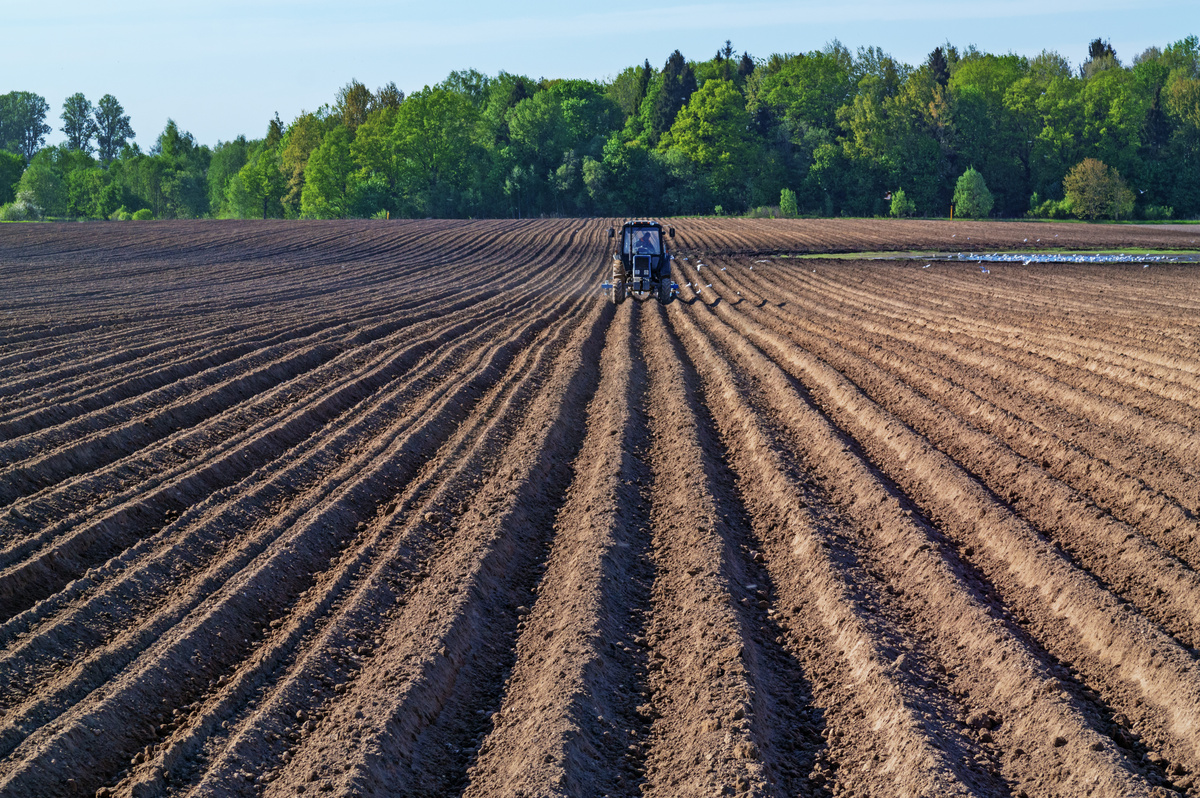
(712, 132)
(113, 130)
(354, 102)
(551, 131)
(257, 189)
(972, 198)
(628, 89)
(787, 203)
(901, 205)
(182, 164)
(678, 83)
(387, 96)
(227, 160)
(939, 67)
(1096, 190)
(299, 143)
(435, 149)
(23, 125)
(1101, 57)
(43, 183)
(372, 149)
(805, 90)
(78, 125)
(327, 177)
(11, 167)
(987, 133)
(471, 83)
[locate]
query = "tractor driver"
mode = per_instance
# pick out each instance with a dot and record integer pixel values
(647, 243)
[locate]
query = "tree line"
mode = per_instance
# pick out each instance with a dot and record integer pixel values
(827, 132)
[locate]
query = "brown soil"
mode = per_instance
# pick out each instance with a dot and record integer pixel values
(409, 508)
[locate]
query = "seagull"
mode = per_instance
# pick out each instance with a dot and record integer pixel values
(926, 266)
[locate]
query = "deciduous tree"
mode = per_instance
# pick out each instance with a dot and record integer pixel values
(11, 167)
(713, 133)
(113, 130)
(23, 125)
(1096, 190)
(435, 148)
(327, 177)
(354, 102)
(78, 125)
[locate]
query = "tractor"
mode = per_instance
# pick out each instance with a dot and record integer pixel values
(642, 266)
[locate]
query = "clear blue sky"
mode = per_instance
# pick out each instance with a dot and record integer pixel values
(224, 67)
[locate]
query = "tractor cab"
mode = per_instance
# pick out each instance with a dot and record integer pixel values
(643, 261)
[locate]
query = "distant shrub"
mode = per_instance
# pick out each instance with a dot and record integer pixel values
(22, 209)
(1158, 213)
(719, 210)
(145, 214)
(902, 205)
(1096, 190)
(788, 206)
(972, 198)
(764, 212)
(1051, 209)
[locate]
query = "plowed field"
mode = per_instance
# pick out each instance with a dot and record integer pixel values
(410, 509)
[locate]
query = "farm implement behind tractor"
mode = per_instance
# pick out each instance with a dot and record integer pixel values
(642, 266)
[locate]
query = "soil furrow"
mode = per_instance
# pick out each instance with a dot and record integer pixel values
(568, 724)
(1122, 654)
(888, 731)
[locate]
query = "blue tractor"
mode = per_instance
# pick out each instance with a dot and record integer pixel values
(642, 264)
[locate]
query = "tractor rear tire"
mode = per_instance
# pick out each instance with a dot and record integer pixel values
(664, 290)
(618, 284)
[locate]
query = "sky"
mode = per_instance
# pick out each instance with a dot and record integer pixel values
(222, 68)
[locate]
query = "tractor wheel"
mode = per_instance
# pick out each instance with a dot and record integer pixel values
(664, 290)
(618, 284)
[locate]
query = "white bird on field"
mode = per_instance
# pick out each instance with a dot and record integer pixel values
(926, 266)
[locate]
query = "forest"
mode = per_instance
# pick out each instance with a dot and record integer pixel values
(822, 133)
